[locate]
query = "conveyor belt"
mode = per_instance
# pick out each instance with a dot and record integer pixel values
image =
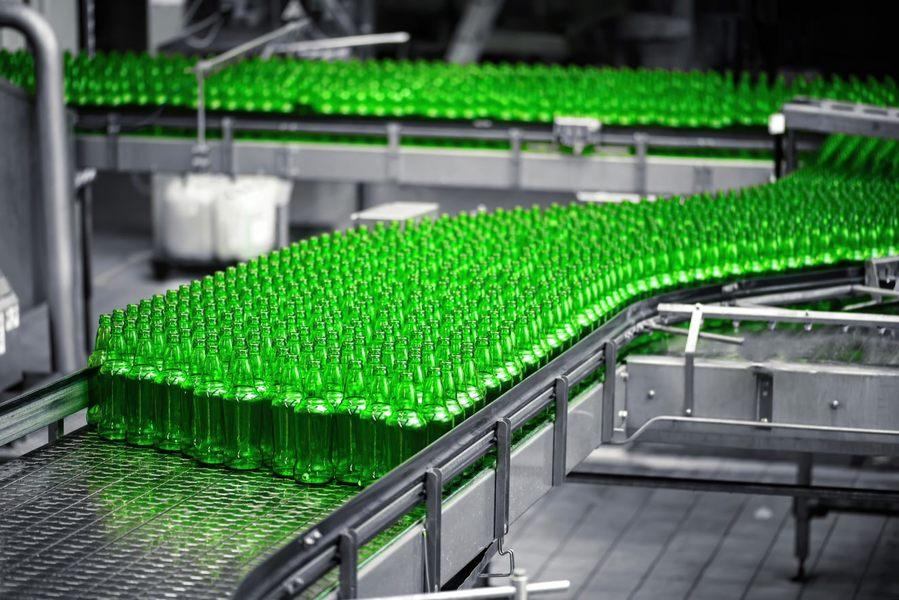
(76, 515)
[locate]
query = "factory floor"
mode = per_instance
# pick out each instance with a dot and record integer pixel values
(639, 543)
(616, 542)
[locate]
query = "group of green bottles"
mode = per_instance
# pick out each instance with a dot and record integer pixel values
(437, 90)
(342, 355)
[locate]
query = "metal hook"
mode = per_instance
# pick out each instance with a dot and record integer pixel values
(502, 552)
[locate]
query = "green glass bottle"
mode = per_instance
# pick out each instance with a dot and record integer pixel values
(314, 431)
(114, 371)
(170, 396)
(98, 386)
(142, 389)
(242, 408)
(434, 411)
(209, 392)
(406, 428)
(349, 448)
(373, 429)
(285, 404)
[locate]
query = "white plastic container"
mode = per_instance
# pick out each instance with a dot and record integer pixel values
(206, 217)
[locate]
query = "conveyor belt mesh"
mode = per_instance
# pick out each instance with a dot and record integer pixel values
(85, 518)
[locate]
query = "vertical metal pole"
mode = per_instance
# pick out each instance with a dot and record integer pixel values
(607, 416)
(87, 29)
(641, 144)
(366, 24)
(433, 524)
(501, 483)
(86, 197)
(520, 583)
(778, 156)
(56, 172)
(348, 549)
(560, 430)
(689, 358)
(200, 159)
(801, 515)
(515, 150)
(790, 157)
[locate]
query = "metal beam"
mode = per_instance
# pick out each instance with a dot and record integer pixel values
(473, 30)
(781, 315)
(829, 116)
(735, 487)
(404, 165)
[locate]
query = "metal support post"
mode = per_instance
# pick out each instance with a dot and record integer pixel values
(501, 493)
(689, 359)
(113, 128)
(433, 524)
(209, 66)
(560, 430)
(228, 165)
(394, 142)
(778, 156)
(802, 515)
(471, 34)
(56, 173)
(520, 583)
(607, 417)
(501, 485)
(764, 395)
(85, 196)
(790, 158)
(641, 145)
(515, 136)
(348, 548)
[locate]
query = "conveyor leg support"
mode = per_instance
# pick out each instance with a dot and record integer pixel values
(802, 515)
(560, 430)
(433, 524)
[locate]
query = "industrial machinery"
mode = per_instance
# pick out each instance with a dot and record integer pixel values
(102, 520)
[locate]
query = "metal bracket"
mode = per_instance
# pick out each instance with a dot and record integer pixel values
(689, 358)
(577, 133)
(394, 141)
(791, 158)
(348, 550)
(764, 394)
(433, 524)
(228, 165)
(882, 272)
(560, 430)
(287, 161)
(113, 128)
(501, 493)
(515, 148)
(607, 417)
(503, 472)
(641, 146)
(702, 178)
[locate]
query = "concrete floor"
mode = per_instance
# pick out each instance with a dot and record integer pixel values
(641, 543)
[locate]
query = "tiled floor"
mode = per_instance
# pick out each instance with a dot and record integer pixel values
(617, 542)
